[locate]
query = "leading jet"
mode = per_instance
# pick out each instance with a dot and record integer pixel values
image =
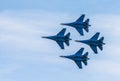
(93, 42)
(78, 58)
(79, 24)
(60, 38)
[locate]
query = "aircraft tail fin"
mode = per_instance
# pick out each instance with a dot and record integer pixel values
(68, 35)
(85, 55)
(101, 39)
(87, 25)
(101, 46)
(87, 21)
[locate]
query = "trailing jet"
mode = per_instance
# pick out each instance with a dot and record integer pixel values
(78, 58)
(79, 24)
(94, 42)
(60, 38)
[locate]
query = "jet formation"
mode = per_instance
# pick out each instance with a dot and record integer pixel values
(93, 42)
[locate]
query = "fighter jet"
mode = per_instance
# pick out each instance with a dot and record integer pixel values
(60, 38)
(78, 58)
(79, 24)
(94, 42)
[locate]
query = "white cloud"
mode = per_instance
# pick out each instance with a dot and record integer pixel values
(21, 31)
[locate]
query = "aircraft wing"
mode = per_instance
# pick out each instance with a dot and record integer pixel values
(79, 64)
(81, 18)
(79, 52)
(94, 48)
(62, 32)
(80, 30)
(95, 37)
(60, 44)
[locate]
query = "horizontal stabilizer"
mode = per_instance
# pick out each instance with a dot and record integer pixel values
(85, 62)
(100, 47)
(67, 43)
(86, 29)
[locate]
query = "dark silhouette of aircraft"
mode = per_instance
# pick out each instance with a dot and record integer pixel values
(79, 24)
(78, 58)
(60, 38)
(94, 42)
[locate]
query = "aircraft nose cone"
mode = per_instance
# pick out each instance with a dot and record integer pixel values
(77, 40)
(64, 56)
(82, 41)
(48, 37)
(44, 37)
(64, 24)
(61, 56)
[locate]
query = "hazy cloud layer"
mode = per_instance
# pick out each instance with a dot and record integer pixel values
(24, 55)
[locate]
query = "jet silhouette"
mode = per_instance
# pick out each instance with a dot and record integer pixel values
(94, 42)
(78, 58)
(79, 24)
(60, 38)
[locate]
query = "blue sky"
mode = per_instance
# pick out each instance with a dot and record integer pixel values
(25, 56)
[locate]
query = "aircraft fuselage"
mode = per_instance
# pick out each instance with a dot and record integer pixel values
(74, 57)
(58, 38)
(77, 24)
(92, 42)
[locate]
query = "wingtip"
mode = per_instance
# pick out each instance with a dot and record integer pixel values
(64, 29)
(97, 32)
(83, 14)
(80, 67)
(96, 52)
(81, 34)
